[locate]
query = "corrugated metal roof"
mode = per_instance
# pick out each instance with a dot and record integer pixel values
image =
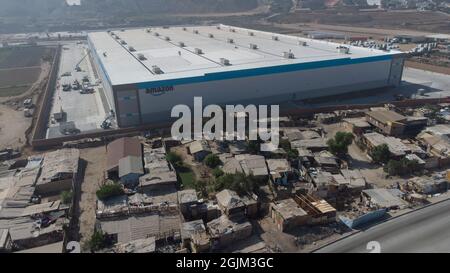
(229, 199)
(386, 116)
(120, 148)
(130, 164)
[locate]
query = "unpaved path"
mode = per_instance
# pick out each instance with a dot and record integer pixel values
(93, 177)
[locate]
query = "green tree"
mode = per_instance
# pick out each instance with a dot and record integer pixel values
(285, 144)
(292, 154)
(66, 197)
(217, 172)
(402, 167)
(99, 240)
(394, 167)
(238, 182)
(381, 153)
(174, 159)
(109, 190)
(212, 161)
(201, 187)
(339, 144)
(253, 146)
(412, 166)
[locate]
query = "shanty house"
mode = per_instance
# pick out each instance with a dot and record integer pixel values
(320, 211)
(188, 200)
(199, 149)
(387, 121)
(356, 180)
(397, 148)
(227, 230)
(5, 241)
(358, 125)
(253, 165)
(194, 236)
(159, 172)
(326, 163)
(58, 172)
(280, 171)
(130, 169)
(384, 198)
(230, 202)
(287, 214)
(118, 149)
(429, 185)
(314, 145)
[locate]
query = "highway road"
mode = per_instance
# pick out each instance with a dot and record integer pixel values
(425, 230)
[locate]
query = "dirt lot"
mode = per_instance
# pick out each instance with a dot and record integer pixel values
(16, 81)
(13, 123)
(201, 172)
(22, 56)
(13, 126)
(299, 239)
(373, 173)
(93, 177)
(413, 20)
(21, 68)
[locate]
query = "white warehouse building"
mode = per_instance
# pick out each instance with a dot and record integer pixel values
(145, 72)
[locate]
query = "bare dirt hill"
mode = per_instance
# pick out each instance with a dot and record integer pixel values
(19, 8)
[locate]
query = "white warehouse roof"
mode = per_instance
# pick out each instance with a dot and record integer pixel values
(123, 66)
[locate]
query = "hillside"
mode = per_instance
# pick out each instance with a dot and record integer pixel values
(57, 8)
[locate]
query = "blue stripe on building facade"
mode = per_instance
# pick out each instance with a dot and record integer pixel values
(262, 71)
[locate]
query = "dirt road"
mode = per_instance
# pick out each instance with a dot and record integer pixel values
(93, 177)
(363, 31)
(13, 123)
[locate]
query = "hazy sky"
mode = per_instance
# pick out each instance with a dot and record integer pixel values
(73, 2)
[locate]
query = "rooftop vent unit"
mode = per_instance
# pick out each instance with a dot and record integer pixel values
(156, 34)
(148, 30)
(182, 44)
(210, 35)
(123, 42)
(157, 70)
(117, 37)
(184, 29)
(230, 41)
(288, 55)
(275, 38)
(122, 30)
(141, 57)
(343, 50)
(232, 30)
(302, 43)
(195, 31)
(251, 33)
(198, 51)
(224, 61)
(218, 27)
(166, 27)
(131, 49)
(253, 46)
(167, 38)
(104, 54)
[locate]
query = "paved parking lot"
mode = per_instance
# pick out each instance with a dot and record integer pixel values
(85, 111)
(434, 85)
